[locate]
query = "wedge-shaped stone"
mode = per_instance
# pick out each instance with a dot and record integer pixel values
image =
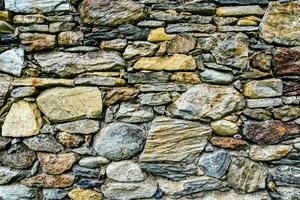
(12, 61)
(287, 62)
(175, 140)
(263, 88)
(168, 63)
(37, 6)
(49, 181)
(207, 101)
(280, 24)
(71, 64)
(112, 13)
(67, 104)
(23, 120)
(239, 11)
(268, 153)
(5, 82)
(37, 41)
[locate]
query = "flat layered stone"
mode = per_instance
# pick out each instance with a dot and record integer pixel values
(6, 27)
(239, 11)
(93, 162)
(17, 192)
(29, 19)
(246, 176)
(12, 61)
(42, 82)
(243, 2)
(23, 92)
(84, 194)
(264, 88)
(186, 140)
(286, 113)
(37, 41)
(155, 99)
(224, 127)
(229, 195)
(49, 181)
(216, 77)
(258, 114)
(43, 142)
(150, 77)
(158, 35)
(69, 140)
(117, 95)
(70, 64)
(264, 103)
(268, 153)
(139, 190)
(140, 49)
(168, 63)
(119, 141)
(134, 113)
(70, 38)
(67, 104)
(125, 171)
(7, 175)
(5, 82)
(36, 6)
(181, 44)
(280, 24)
(207, 101)
(56, 163)
(23, 120)
(270, 131)
(229, 143)
(190, 27)
(185, 77)
(112, 13)
(84, 126)
(237, 28)
(285, 175)
(99, 81)
(287, 62)
(286, 192)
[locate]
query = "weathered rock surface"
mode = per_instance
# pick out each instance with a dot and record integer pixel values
(229, 143)
(23, 120)
(42, 82)
(185, 77)
(67, 64)
(190, 27)
(239, 11)
(67, 104)
(43, 142)
(120, 94)
(112, 13)
(7, 175)
(224, 128)
(207, 101)
(286, 62)
(286, 113)
(125, 171)
(285, 175)
(246, 176)
(84, 126)
(99, 81)
(119, 141)
(169, 63)
(93, 162)
(158, 35)
(140, 48)
(38, 41)
(216, 77)
(23, 92)
(268, 153)
(280, 24)
(264, 103)
(217, 195)
(12, 61)
(134, 113)
(270, 131)
(155, 99)
(17, 192)
(82, 194)
(185, 139)
(49, 181)
(181, 44)
(5, 82)
(263, 89)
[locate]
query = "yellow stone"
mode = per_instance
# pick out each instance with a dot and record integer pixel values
(6, 16)
(168, 63)
(158, 35)
(239, 11)
(185, 77)
(245, 22)
(82, 194)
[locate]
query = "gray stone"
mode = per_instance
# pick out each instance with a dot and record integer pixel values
(140, 48)
(246, 176)
(7, 175)
(286, 113)
(258, 114)
(291, 100)
(71, 64)
(214, 103)
(243, 2)
(84, 126)
(34, 28)
(100, 81)
(119, 141)
(230, 195)
(166, 16)
(139, 190)
(57, 27)
(23, 92)
(151, 23)
(216, 77)
(215, 164)
(43, 142)
(125, 171)
(54, 194)
(12, 61)
(151, 77)
(187, 27)
(34, 42)
(117, 44)
(18, 192)
(93, 162)
(264, 103)
(285, 175)
(134, 113)
(163, 87)
(286, 193)
(155, 99)
(5, 82)
(263, 89)
(222, 21)
(237, 28)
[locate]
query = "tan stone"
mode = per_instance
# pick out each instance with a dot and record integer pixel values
(158, 35)
(49, 181)
(185, 77)
(67, 104)
(70, 38)
(224, 128)
(56, 163)
(269, 152)
(238, 11)
(37, 41)
(245, 22)
(168, 63)
(23, 120)
(42, 82)
(85, 194)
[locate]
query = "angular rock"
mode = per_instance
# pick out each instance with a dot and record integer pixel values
(119, 141)
(158, 35)
(18, 192)
(117, 95)
(246, 176)
(270, 131)
(214, 103)
(70, 38)
(56, 163)
(237, 28)
(286, 62)
(117, 44)
(84, 126)
(264, 88)
(229, 143)
(66, 104)
(261, 60)
(4, 143)
(37, 41)
(216, 77)
(23, 120)
(155, 99)
(6, 27)
(49, 181)
(69, 140)
(23, 92)
(190, 27)
(181, 44)
(125, 171)
(280, 24)
(112, 13)
(243, 2)
(151, 23)
(185, 77)
(140, 49)
(115, 190)
(82, 194)
(43, 142)
(291, 88)
(12, 61)
(215, 164)
(36, 6)
(8, 175)
(152, 77)
(229, 195)
(286, 113)
(99, 81)
(222, 21)
(168, 63)
(268, 153)
(42, 82)
(285, 175)
(93, 162)
(258, 114)
(34, 28)
(57, 194)
(186, 140)
(239, 11)
(57, 27)
(131, 32)
(29, 19)
(5, 82)
(134, 113)
(70, 64)
(264, 103)
(224, 128)
(286, 193)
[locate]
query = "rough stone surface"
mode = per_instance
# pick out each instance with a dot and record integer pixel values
(12, 61)
(267, 153)
(239, 11)
(120, 94)
(5, 82)
(67, 104)
(128, 140)
(49, 181)
(229, 143)
(17, 192)
(224, 128)
(286, 62)
(43, 142)
(85, 126)
(38, 41)
(82, 194)
(263, 89)
(134, 113)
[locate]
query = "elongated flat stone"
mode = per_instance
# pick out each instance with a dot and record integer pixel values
(84, 126)
(264, 88)
(42, 82)
(12, 61)
(268, 153)
(17, 192)
(239, 11)
(5, 82)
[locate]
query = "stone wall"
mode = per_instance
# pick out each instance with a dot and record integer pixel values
(149, 99)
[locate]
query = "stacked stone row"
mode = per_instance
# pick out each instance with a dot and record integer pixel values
(149, 99)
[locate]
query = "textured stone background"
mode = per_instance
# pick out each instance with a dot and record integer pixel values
(149, 99)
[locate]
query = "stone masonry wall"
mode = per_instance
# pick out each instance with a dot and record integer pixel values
(149, 99)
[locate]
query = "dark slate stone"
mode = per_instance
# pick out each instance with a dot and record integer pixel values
(243, 2)
(86, 172)
(8, 38)
(131, 32)
(88, 183)
(153, 77)
(43, 142)
(286, 176)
